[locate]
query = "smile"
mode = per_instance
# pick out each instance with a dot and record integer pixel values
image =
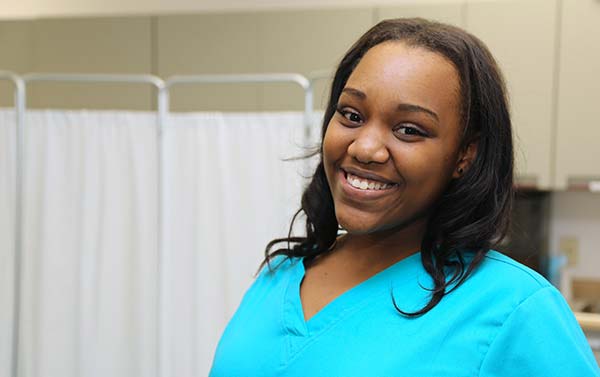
(366, 184)
(361, 188)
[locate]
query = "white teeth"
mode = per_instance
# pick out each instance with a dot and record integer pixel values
(365, 184)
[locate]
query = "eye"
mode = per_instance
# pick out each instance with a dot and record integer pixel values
(350, 115)
(410, 130)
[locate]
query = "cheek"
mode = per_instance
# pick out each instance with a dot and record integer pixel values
(333, 148)
(426, 163)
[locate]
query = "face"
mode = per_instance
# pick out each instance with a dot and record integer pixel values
(392, 146)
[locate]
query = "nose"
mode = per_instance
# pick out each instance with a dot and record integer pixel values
(369, 145)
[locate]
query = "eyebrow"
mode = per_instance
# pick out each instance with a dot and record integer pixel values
(408, 107)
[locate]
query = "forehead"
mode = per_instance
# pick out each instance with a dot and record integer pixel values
(399, 72)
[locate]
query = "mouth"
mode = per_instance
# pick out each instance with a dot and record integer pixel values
(357, 185)
(366, 184)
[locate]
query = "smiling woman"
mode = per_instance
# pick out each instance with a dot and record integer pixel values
(416, 170)
(408, 139)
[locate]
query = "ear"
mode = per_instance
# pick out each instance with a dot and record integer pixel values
(465, 159)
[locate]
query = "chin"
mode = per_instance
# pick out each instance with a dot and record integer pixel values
(362, 225)
(355, 225)
(357, 231)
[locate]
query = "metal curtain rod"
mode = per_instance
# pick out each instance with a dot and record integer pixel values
(177, 79)
(295, 78)
(95, 77)
(240, 78)
(165, 86)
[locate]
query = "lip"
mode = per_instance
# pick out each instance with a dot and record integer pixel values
(358, 194)
(365, 174)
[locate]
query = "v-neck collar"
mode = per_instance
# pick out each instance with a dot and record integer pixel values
(348, 302)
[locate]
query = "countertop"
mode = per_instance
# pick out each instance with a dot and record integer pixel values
(588, 321)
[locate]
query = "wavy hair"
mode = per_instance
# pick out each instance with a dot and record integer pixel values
(472, 215)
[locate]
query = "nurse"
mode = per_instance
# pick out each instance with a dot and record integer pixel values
(396, 275)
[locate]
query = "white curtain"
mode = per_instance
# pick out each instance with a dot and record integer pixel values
(91, 271)
(7, 199)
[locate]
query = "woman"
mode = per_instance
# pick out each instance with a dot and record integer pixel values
(416, 168)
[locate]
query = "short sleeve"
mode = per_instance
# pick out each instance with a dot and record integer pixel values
(541, 337)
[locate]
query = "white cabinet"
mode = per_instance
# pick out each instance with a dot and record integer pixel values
(522, 37)
(578, 115)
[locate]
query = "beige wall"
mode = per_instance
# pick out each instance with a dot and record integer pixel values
(220, 43)
(304, 42)
(91, 45)
(180, 44)
(254, 42)
(84, 45)
(449, 12)
(16, 54)
(54, 8)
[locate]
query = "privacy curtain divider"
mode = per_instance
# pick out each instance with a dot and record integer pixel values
(128, 238)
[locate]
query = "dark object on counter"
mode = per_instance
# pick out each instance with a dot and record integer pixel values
(528, 238)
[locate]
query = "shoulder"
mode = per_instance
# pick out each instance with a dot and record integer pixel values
(278, 266)
(277, 272)
(498, 288)
(525, 323)
(502, 275)
(495, 288)
(499, 285)
(536, 330)
(495, 262)
(272, 280)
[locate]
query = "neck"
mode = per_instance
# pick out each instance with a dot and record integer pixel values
(379, 250)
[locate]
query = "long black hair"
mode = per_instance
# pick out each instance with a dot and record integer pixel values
(472, 215)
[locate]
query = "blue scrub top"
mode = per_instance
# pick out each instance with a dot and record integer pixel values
(504, 320)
